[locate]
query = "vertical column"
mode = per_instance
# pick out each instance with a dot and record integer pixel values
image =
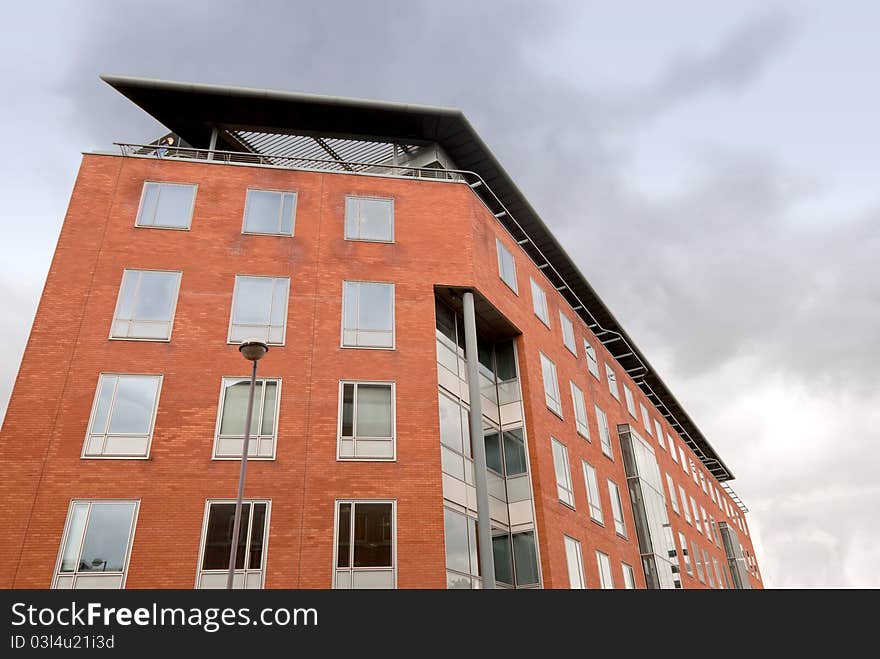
(213, 143)
(484, 524)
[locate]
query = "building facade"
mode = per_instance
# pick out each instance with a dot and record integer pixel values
(349, 236)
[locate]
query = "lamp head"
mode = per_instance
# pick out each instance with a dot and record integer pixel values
(253, 350)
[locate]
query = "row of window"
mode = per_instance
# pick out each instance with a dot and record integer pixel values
(98, 534)
(574, 559)
(707, 569)
(125, 405)
(565, 490)
(266, 212)
(147, 300)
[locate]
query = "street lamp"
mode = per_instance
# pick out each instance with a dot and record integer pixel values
(253, 351)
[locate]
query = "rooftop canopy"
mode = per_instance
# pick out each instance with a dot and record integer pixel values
(194, 111)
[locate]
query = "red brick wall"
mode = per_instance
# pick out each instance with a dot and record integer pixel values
(443, 235)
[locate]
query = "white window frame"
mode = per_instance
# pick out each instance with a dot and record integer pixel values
(241, 575)
(74, 576)
(579, 404)
(611, 376)
(342, 327)
(629, 576)
(392, 439)
(646, 419)
(269, 327)
(606, 578)
(658, 427)
(358, 238)
(247, 200)
(85, 455)
(255, 441)
(604, 433)
(539, 303)
(573, 551)
(594, 501)
(592, 360)
(137, 218)
(617, 509)
(351, 570)
(564, 490)
(552, 398)
(500, 249)
(630, 401)
(131, 321)
(568, 339)
(673, 499)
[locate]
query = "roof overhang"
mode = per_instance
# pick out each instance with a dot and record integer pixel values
(193, 111)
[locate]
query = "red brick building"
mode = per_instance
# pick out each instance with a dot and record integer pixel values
(351, 236)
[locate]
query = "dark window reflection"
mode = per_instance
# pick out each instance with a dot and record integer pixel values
(343, 548)
(372, 535)
(106, 539)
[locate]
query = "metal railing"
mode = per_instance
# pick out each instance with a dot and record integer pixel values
(475, 182)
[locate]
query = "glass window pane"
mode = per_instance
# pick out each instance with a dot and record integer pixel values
(269, 408)
(133, 408)
(74, 537)
(343, 542)
(376, 220)
(102, 407)
(125, 307)
(175, 205)
(148, 204)
(372, 535)
(514, 452)
(257, 531)
(218, 536)
(457, 554)
(253, 300)
(502, 557)
(525, 558)
(288, 213)
(375, 306)
(493, 449)
(348, 410)
(350, 304)
(156, 296)
(262, 211)
(279, 301)
(450, 423)
(374, 410)
(235, 407)
(106, 539)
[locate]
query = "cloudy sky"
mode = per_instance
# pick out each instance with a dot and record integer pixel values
(712, 167)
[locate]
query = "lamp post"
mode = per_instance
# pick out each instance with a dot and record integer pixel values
(253, 351)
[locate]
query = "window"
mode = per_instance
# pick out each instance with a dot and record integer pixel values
(703, 483)
(630, 403)
(455, 440)
(123, 415)
(567, 334)
(580, 411)
(563, 473)
(269, 212)
(717, 572)
(259, 309)
(706, 526)
(683, 459)
(694, 471)
(604, 434)
(684, 505)
(672, 451)
(646, 419)
(684, 553)
(697, 523)
(697, 562)
(367, 315)
(659, 429)
(539, 303)
(523, 569)
(166, 206)
(96, 544)
(250, 554)
(712, 492)
(506, 266)
(462, 564)
(612, 382)
(593, 492)
(551, 386)
(605, 578)
(673, 500)
(145, 306)
(229, 436)
(365, 555)
(592, 362)
(575, 561)
(617, 508)
(366, 421)
(629, 577)
(369, 219)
